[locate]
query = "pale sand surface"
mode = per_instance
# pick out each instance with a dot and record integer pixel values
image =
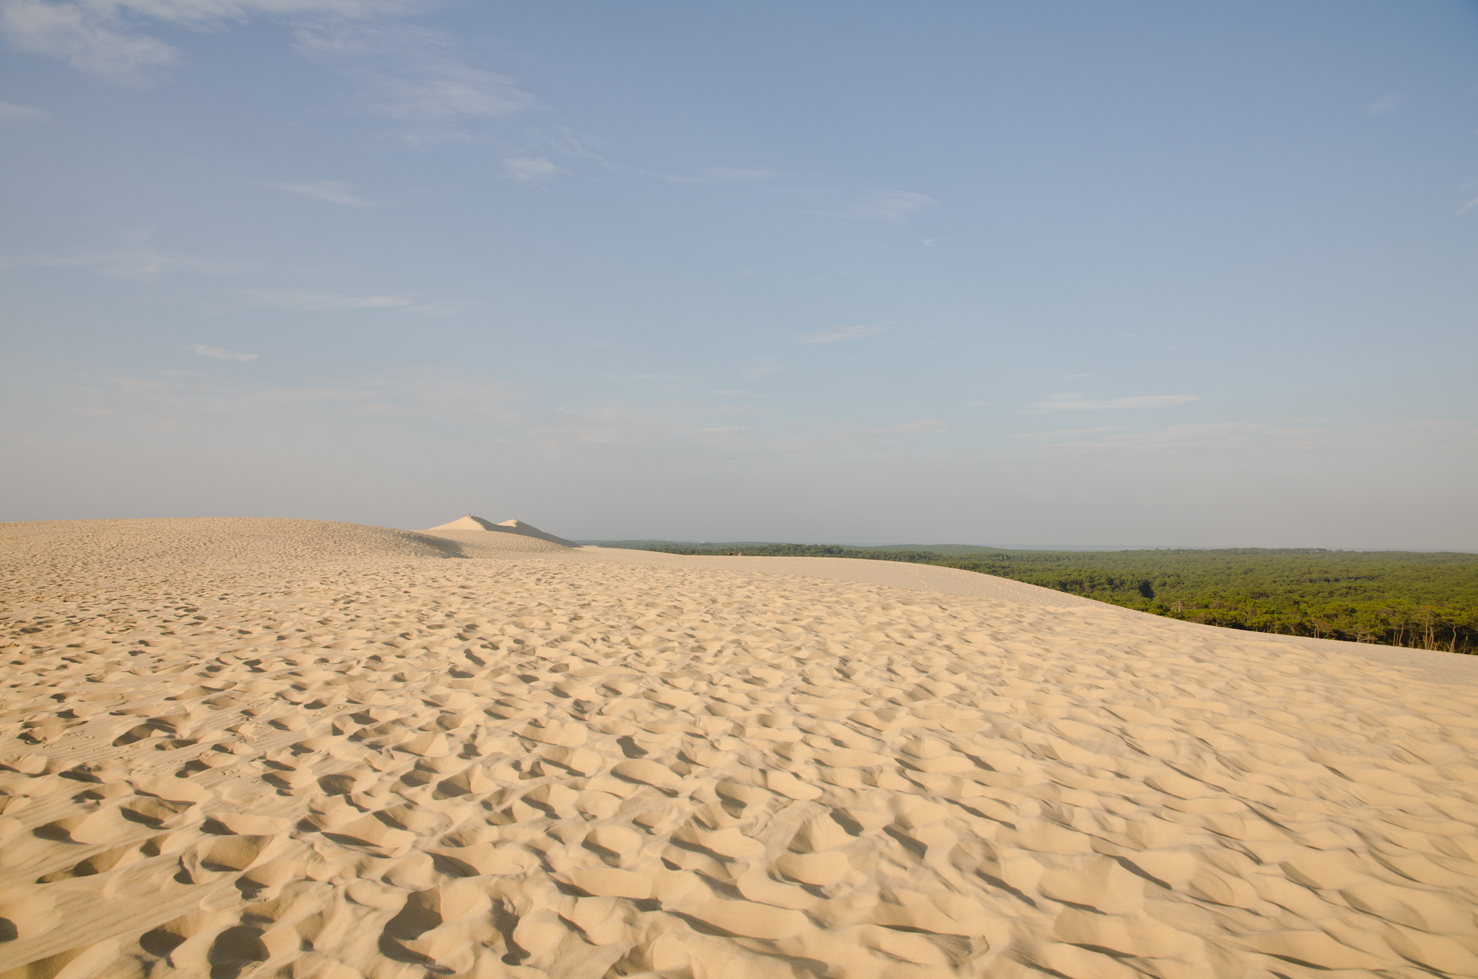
(295, 748)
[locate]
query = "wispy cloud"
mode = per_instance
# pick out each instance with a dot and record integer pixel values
(1238, 444)
(309, 300)
(1468, 188)
(443, 308)
(583, 146)
(330, 192)
(219, 353)
(882, 205)
(756, 369)
(1384, 105)
(92, 38)
(530, 169)
(135, 258)
(440, 92)
(13, 115)
(837, 334)
(1075, 402)
(186, 279)
(415, 77)
(1066, 433)
(1074, 377)
(924, 426)
(401, 394)
(721, 175)
(105, 38)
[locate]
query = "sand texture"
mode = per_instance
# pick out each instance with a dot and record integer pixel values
(479, 525)
(302, 749)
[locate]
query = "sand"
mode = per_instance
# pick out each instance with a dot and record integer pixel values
(477, 525)
(294, 748)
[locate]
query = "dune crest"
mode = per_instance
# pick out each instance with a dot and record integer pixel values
(351, 756)
(478, 524)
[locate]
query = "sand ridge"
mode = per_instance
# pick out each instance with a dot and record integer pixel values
(477, 525)
(393, 760)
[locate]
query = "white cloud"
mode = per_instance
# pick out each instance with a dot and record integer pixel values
(1066, 433)
(103, 38)
(328, 191)
(12, 114)
(438, 92)
(1075, 402)
(443, 308)
(883, 205)
(196, 11)
(134, 259)
(924, 426)
(839, 333)
(1452, 442)
(756, 369)
(218, 353)
(1384, 105)
(722, 175)
(412, 75)
(310, 301)
(90, 37)
(401, 394)
(530, 169)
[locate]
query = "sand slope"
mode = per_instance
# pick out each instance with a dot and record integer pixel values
(477, 525)
(325, 750)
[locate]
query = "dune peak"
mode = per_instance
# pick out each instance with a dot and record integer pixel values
(476, 523)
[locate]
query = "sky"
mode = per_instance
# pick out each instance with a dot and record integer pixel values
(1151, 274)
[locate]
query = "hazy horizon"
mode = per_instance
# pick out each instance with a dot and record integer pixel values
(1015, 547)
(963, 272)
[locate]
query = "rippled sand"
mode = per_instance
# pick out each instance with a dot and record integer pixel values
(295, 748)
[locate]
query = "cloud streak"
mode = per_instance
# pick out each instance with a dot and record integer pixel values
(411, 75)
(883, 205)
(308, 300)
(721, 175)
(756, 369)
(403, 394)
(330, 192)
(102, 37)
(136, 259)
(924, 426)
(530, 169)
(1065, 433)
(839, 334)
(440, 92)
(1384, 105)
(12, 114)
(219, 353)
(1073, 402)
(90, 38)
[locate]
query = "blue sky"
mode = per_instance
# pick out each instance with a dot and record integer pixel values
(1063, 273)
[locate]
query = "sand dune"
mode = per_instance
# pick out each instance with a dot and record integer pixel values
(477, 525)
(291, 748)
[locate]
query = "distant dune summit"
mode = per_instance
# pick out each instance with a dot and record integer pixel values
(470, 522)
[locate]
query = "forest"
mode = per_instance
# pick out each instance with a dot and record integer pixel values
(1395, 598)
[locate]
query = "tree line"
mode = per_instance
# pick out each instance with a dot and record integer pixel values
(1395, 598)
